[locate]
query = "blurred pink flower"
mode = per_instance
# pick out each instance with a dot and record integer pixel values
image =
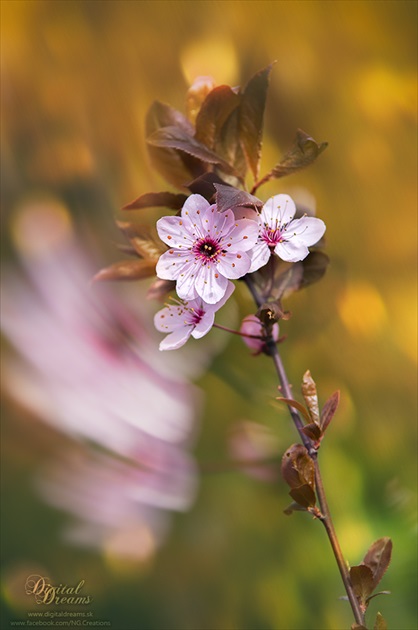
(88, 365)
(254, 449)
(121, 506)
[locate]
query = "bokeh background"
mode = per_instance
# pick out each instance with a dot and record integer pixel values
(77, 79)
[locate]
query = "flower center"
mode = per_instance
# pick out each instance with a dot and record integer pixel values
(206, 250)
(194, 316)
(271, 236)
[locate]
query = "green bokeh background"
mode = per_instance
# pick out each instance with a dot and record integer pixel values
(77, 80)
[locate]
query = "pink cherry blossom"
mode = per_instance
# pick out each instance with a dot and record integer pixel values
(280, 233)
(182, 320)
(207, 247)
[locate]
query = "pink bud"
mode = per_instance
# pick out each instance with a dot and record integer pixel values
(251, 325)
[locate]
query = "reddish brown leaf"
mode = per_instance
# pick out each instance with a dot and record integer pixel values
(160, 288)
(314, 267)
(179, 140)
(229, 146)
(296, 405)
(310, 395)
(302, 153)
(126, 270)
(205, 185)
(213, 114)
(297, 467)
(155, 200)
(176, 167)
(161, 115)
(294, 507)
(304, 496)
(378, 558)
(251, 116)
(196, 94)
(229, 197)
(129, 229)
(380, 623)
(329, 409)
(362, 580)
(144, 240)
(313, 431)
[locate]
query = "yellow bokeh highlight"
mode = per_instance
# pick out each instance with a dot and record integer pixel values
(355, 536)
(214, 57)
(40, 225)
(362, 309)
(130, 549)
(384, 94)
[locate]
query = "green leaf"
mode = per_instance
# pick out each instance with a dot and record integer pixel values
(329, 409)
(356, 626)
(213, 114)
(251, 116)
(311, 397)
(301, 154)
(378, 558)
(380, 623)
(361, 578)
(155, 200)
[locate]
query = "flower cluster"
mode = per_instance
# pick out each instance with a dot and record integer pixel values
(209, 247)
(220, 230)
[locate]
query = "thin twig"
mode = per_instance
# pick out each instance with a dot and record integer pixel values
(313, 453)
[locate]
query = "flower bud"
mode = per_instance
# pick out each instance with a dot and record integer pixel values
(251, 325)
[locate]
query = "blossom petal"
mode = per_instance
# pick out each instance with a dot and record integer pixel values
(278, 211)
(203, 327)
(260, 255)
(186, 280)
(229, 291)
(233, 265)
(307, 230)
(170, 264)
(291, 251)
(169, 318)
(210, 285)
(172, 231)
(193, 211)
(244, 235)
(176, 339)
(241, 212)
